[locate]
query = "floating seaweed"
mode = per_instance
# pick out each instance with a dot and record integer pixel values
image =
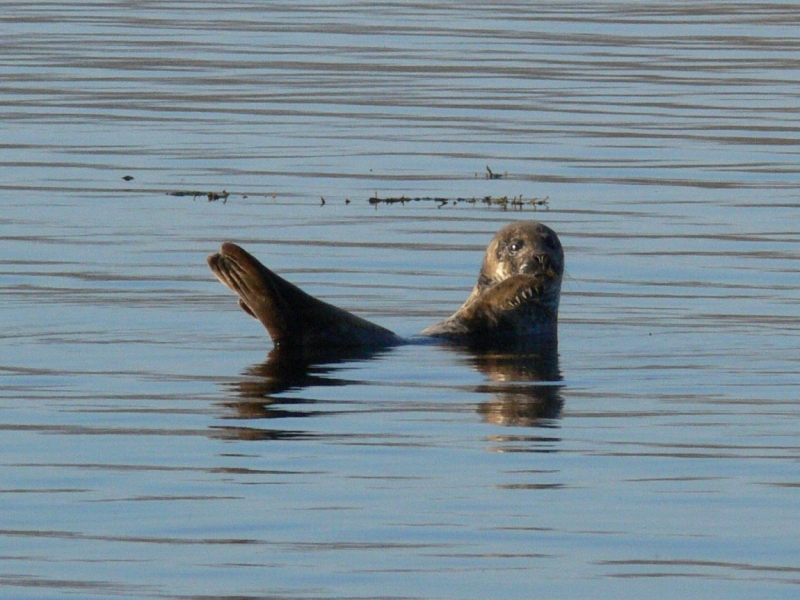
(214, 196)
(492, 175)
(211, 196)
(504, 202)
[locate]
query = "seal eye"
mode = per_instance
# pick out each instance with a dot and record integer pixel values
(515, 246)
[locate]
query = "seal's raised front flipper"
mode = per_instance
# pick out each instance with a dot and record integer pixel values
(511, 310)
(291, 316)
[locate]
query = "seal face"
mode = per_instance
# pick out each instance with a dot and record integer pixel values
(515, 299)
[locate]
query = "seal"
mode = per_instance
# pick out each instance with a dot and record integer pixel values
(515, 299)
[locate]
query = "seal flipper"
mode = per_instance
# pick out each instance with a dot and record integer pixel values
(509, 310)
(246, 308)
(291, 316)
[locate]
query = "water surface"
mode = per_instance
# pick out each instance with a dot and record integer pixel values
(151, 449)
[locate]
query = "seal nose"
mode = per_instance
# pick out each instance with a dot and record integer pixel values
(542, 266)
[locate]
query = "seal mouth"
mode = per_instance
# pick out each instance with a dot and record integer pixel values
(542, 266)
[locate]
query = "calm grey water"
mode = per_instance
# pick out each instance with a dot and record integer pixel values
(150, 449)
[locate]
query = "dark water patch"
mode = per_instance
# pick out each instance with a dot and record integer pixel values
(73, 586)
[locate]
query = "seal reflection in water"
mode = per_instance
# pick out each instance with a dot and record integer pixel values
(514, 303)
